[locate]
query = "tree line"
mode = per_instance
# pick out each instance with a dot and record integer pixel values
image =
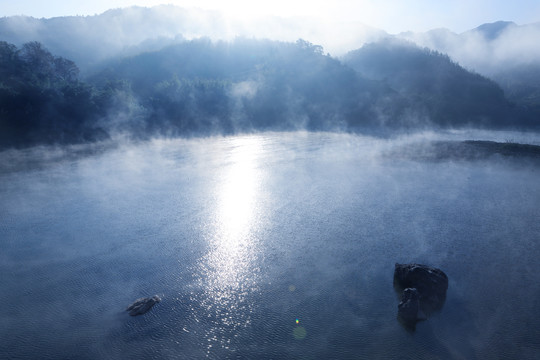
(201, 87)
(42, 99)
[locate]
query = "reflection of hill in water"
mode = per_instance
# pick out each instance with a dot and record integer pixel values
(40, 157)
(467, 150)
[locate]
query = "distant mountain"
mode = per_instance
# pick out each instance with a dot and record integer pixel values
(488, 49)
(196, 88)
(493, 31)
(503, 51)
(173, 86)
(88, 40)
(247, 85)
(438, 88)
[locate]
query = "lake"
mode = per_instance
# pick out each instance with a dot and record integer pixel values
(266, 246)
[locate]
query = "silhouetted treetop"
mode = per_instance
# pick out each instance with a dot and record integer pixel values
(42, 99)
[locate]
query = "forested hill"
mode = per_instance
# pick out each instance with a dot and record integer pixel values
(42, 99)
(248, 85)
(435, 86)
(201, 87)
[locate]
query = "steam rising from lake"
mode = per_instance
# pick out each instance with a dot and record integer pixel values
(275, 245)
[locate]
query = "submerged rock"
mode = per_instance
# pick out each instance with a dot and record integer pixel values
(423, 290)
(409, 307)
(142, 305)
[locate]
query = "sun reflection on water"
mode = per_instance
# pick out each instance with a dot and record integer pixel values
(237, 195)
(230, 270)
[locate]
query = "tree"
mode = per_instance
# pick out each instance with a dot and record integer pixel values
(306, 45)
(37, 60)
(65, 70)
(42, 99)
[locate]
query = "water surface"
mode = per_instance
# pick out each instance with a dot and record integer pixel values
(269, 246)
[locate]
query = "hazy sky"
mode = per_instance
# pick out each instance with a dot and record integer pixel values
(390, 15)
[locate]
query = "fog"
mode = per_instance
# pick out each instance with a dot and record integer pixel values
(91, 39)
(487, 49)
(242, 235)
(176, 71)
(263, 177)
(204, 88)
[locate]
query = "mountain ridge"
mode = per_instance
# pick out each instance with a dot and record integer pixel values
(177, 85)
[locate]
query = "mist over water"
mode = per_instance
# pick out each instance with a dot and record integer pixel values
(272, 245)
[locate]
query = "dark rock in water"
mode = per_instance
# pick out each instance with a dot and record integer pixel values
(142, 305)
(430, 282)
(409, 306)
(423, 290)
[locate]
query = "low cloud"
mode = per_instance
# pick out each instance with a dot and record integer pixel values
(91, 39)
(487, 50)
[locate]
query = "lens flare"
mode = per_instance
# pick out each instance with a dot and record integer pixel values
(299, 333)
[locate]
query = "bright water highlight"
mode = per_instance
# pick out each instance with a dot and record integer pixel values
(278, 245)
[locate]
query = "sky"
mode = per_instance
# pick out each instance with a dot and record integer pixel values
(393, 16)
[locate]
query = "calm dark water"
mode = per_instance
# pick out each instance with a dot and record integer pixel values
(273, 246)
